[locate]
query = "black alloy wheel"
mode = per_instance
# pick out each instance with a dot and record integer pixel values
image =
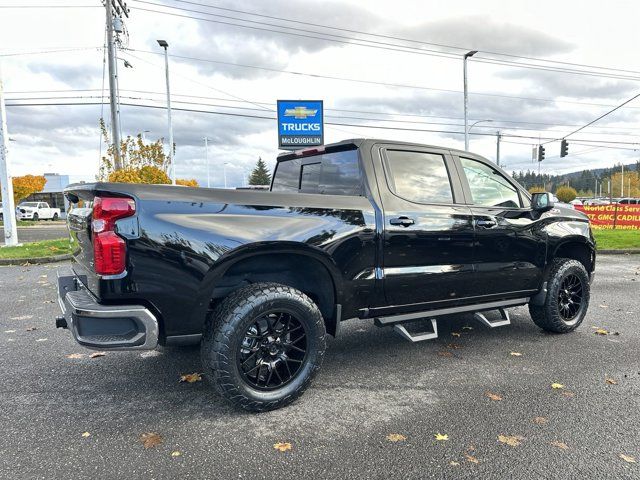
(272, 351)
(570, 297)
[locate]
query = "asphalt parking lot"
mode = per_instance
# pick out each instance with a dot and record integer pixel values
(373, 384)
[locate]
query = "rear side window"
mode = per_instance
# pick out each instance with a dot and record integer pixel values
(418, 176)
(336, 173)
(489, 188)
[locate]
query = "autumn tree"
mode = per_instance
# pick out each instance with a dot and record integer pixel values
(142, 162)
(537, 190)
(187, 183)
(566, 194)
(631, 182)
(260, 174)
(27, 185)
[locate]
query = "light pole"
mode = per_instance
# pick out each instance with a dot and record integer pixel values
(466, 95)
(144, 136)
(498, 137)
(165, 45)
(6, 183)
(206, 159)
(468, 130)
(224, 173)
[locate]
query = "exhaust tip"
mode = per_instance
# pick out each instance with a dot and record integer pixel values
(61, 322)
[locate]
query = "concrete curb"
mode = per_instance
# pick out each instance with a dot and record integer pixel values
(35, 261)
(618, 252)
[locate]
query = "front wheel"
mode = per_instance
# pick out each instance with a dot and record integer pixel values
(567, 298)
(35, 217)
(55, 217)
(263, 345)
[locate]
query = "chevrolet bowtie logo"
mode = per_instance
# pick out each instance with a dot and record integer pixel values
(299, 112)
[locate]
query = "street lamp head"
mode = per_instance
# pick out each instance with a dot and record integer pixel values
(163, 43)
(470, 54)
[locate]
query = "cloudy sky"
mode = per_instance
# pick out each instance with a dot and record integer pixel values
(234, 64)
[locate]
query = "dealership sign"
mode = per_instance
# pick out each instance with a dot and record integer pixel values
(618, 216)
(300, 124)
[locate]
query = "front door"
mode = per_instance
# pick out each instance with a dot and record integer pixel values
(510, 249)
(427, 238)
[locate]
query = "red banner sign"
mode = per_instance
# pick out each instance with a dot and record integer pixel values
(623, 217)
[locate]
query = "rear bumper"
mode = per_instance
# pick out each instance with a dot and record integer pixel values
(104, 327)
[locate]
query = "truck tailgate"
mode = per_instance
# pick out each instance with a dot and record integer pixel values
(79, 225)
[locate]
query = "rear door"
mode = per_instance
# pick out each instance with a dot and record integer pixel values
(510, 250)
(427, 240)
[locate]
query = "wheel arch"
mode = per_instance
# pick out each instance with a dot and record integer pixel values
(303, 267)
(576, 248)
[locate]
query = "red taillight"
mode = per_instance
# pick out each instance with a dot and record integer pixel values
(109, 250)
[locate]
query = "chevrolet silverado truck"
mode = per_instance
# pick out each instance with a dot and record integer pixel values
(36, 211)
(399, 233)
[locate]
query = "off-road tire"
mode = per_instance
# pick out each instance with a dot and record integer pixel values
(548, 316)
(226, 327)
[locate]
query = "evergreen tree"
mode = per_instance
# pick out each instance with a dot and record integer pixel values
(260, 174)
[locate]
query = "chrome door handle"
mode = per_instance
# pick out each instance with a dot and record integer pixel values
(403, 221)
(486, 223)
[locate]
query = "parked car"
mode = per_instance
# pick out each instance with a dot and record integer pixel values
(629, 201)
(36, 211)
(387, 231)
(1, 213)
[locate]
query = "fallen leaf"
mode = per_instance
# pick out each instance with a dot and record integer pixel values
(512, 441)
(515, 354)
(9, 331)
(31, 329)
(75, 355)
(441, 437)
(454, 346)
(22, 317)
(445, 354)
(467, 327)
(150, 439)
(471, 458)
(454, 464)
(557, 386)
(86, 434)
(41, 340)
(396, 437)
(97, 354)
(568, 394)
(43, 276)
(455, 334)
(611, 381)
(493, 396)
(176, 453)
(560, 445)
(540, 420)
(191, 377)
(601, 331)
(627, 458)
(282, 446)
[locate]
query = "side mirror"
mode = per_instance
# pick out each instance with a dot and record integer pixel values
(542, 202)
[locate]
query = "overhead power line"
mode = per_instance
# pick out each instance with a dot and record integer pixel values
(228, 20)
(369, 82)
(357, 125)
(391, 37)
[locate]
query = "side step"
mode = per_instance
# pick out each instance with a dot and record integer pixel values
(400, 322)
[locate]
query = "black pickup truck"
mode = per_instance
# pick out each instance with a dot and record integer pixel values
(398, 233)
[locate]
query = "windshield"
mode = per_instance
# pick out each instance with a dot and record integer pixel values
(29, 204)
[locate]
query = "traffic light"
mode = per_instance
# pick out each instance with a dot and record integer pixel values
(564, 148)
(540, 153)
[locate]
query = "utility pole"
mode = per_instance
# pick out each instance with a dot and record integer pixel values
(206, 158)
(466, 96)
(224, 172)
(498, 136)
(165, 45)
(622, 182)
(595, 192)
(8, 208)
(113, 86)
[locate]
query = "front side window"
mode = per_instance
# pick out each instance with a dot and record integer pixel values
(489, 188)
(418, 176)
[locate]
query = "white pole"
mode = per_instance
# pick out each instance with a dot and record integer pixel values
(224, 172)
(466, 96)
(622, 182)
(8, 207)
(113, 89)
(165, 45)
(206, 158)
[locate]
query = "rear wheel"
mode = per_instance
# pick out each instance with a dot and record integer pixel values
(35, 217)
(55, 217)
(263, 345)
(567, 298)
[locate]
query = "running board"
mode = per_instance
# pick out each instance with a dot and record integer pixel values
(504, 319)
(399, 322)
